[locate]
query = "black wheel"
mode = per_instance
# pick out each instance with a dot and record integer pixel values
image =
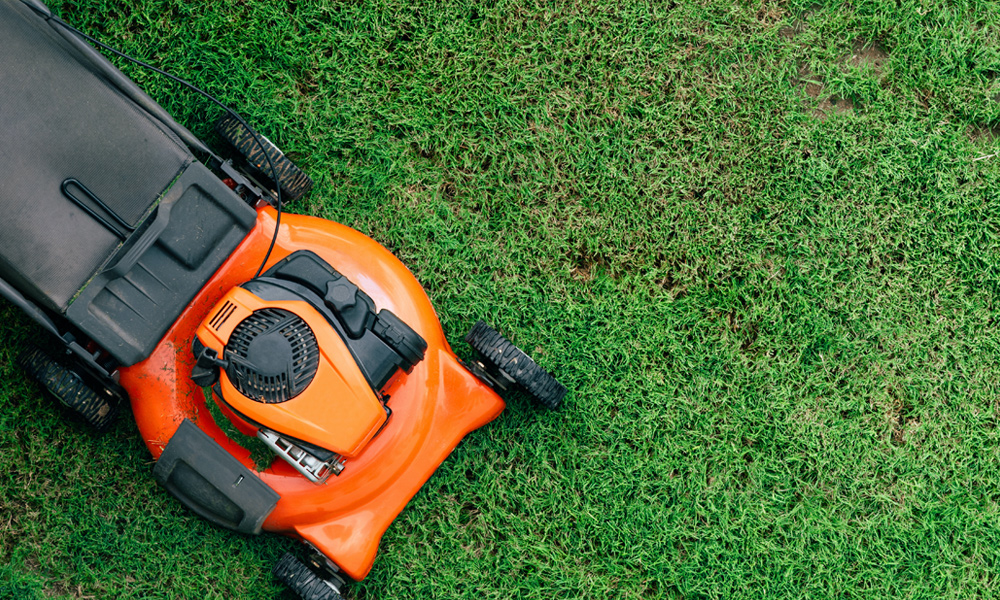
(301, 580)
(294, 183)
(98, 407)
(505, 361)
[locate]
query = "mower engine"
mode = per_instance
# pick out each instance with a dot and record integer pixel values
(300, 356)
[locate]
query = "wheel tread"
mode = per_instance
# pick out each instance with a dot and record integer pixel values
(69, 388)
(301, 580)
(504, 355)
(293, 181)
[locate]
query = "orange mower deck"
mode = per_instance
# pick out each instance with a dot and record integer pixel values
(433, 407)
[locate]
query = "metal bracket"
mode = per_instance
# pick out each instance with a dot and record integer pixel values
(247, 187)
(314, 469)
(495, 378)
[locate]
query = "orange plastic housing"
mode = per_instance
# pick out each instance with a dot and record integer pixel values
(338, 411)
(434, 406)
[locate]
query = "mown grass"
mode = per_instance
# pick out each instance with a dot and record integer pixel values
(757, 241)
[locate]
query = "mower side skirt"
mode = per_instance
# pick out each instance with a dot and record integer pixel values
(213, 484)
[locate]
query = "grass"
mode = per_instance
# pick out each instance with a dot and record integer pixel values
(757, 241)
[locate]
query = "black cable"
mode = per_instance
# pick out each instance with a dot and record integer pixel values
(191, 86)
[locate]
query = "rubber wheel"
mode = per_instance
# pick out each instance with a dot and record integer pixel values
(301, 580)
(99, 408)
(499, 353)
(293, 182)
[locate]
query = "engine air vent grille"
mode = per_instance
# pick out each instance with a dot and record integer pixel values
(223, 315)
(273, 356)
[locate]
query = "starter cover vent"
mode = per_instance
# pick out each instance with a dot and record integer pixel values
(272, 355)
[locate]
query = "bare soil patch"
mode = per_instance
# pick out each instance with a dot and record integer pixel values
(868, 54)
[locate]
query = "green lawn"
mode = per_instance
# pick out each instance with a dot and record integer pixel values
(759, 243)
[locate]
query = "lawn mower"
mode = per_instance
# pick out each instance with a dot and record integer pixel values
(168, 277)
